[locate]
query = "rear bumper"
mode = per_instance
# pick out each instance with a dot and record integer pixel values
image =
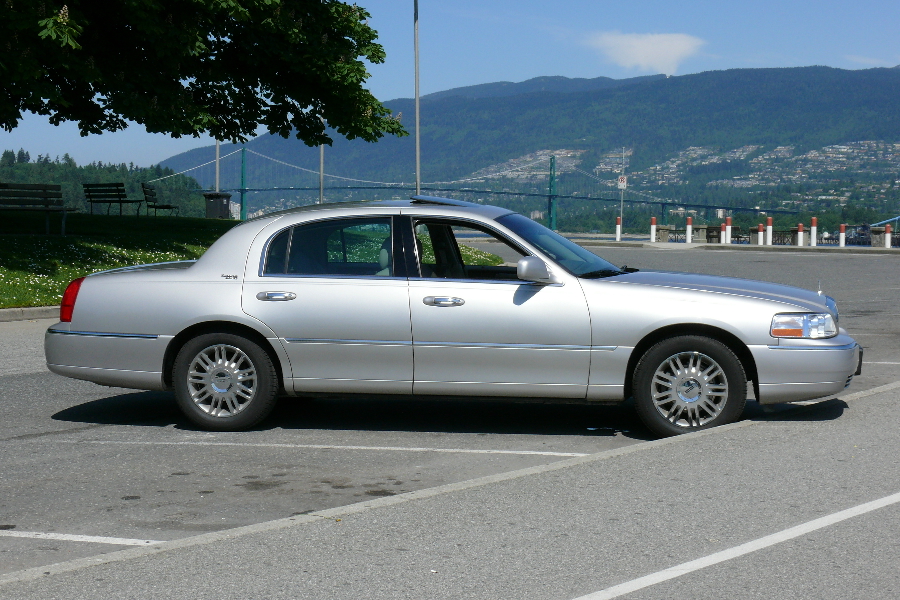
(121, 360)
(805, 371)
(136, 380)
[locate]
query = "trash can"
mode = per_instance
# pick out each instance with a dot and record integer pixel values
(218, 205)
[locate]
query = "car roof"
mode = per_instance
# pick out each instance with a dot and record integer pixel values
(415, 202)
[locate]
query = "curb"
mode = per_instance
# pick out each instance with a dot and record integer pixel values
(739, 247)
(28, 313)
(844, 250)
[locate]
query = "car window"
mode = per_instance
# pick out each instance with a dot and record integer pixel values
(569, 255)
(338, 247)
(452, 250)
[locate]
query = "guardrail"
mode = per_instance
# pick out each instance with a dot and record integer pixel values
(848, 235)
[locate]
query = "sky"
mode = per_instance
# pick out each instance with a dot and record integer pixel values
(467, 42)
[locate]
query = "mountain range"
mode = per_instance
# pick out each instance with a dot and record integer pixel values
(467, 129)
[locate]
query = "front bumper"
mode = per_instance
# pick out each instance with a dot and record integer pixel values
(805, 369)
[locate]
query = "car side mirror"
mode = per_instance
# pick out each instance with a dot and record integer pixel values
(531, 268)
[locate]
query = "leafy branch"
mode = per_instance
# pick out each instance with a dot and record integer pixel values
(59, 27)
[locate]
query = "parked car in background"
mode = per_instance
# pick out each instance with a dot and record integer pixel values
(438, 297)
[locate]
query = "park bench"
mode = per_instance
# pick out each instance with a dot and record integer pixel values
(150, 200)
(108, 193)
(35, 196)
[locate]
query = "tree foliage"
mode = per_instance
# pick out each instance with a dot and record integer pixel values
(186, 67)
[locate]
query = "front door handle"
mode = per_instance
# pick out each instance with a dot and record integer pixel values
(276, 296)
(442, 301)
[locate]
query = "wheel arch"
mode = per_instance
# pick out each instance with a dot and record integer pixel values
(218, 327)
(729, 339)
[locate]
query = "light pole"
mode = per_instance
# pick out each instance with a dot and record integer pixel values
(217, 166)
(321, 173)
(622, 191)
(322, 167)
(418, 146)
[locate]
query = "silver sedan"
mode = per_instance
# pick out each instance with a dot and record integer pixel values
(438, 297)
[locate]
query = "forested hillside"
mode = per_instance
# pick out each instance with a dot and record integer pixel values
(539, 84)
(808, 107)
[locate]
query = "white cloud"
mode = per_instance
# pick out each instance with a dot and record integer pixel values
(865, 60)
(656, 52)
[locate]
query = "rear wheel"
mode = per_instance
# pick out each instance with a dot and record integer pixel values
(688, 383)
(224, 382)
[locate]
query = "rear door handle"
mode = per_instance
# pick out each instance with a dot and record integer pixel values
(276, 296)
(442, 301)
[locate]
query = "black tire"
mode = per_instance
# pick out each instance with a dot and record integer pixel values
(688, 383)
(234, 385)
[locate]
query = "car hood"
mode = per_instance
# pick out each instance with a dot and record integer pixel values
(805, 299)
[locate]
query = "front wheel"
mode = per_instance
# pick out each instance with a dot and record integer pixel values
(688, 383)
(224, 382)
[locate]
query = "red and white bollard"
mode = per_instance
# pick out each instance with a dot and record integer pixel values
(813, 231)
(727, 230)
(799, 234)
(887, 235)
(759, 235)
(689, 230)
(768, 231)
(652, 229)
(618, 229)
(722, 234)
(842, 236)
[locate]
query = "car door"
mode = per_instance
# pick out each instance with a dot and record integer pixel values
(333, 293)
(479, 330)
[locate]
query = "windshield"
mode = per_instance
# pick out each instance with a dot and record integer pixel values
(569, 255)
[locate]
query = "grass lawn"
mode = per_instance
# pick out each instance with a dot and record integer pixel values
(36, 268)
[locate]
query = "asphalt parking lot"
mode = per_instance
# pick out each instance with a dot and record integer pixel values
(559, 490)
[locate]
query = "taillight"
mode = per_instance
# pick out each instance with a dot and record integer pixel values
(68, 300)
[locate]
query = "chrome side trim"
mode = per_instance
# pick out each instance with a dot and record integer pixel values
(448, 344)
(143, 336)
(844, 347)
(508, 346)
(508, 384)
(347, 379)
(439, 280)
(332, 276)
(363, 342)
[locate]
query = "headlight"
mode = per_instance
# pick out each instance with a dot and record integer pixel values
(803, 325)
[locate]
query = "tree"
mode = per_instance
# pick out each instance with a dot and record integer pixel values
(221, 67)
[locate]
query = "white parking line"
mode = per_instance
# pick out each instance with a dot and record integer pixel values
(33, 573)
(94, 539)
(865, 362)
(334, 447)
(737, 551)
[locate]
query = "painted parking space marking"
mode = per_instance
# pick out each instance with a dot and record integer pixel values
(333, 447)
(65, 537)
(738, 551)
(33, 573)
